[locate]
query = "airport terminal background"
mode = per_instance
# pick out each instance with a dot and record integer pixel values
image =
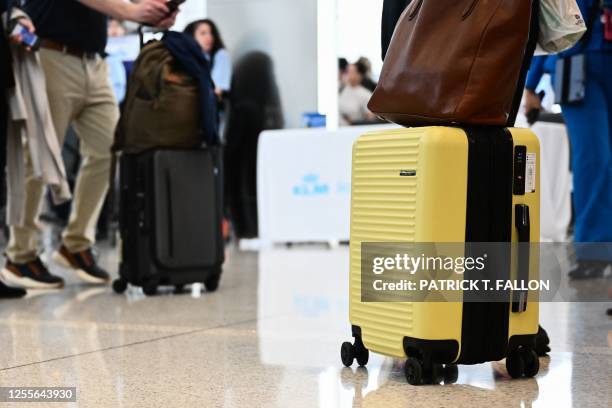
(270, 335)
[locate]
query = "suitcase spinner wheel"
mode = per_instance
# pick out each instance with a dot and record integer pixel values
(532, 363)
(349, 352)
(120, 286)
(418, 372)
(149, 288)
(413, 371)
(212, 283)
(522, 362)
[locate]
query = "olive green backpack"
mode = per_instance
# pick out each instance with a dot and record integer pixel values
(161, 107)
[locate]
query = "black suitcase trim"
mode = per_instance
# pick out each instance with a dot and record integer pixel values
(484, 335)
(431, 351)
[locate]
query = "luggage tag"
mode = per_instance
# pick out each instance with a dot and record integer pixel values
(524, 171)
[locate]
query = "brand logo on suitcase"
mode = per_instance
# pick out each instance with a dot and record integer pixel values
(407, 173)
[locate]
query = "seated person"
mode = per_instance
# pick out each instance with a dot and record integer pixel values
(354, 98)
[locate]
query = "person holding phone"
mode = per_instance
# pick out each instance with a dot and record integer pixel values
(73, 35)
(19, 33)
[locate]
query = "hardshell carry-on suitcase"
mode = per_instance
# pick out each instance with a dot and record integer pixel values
(170, 219)
(444, 185)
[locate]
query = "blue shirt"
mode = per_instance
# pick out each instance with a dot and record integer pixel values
(118, 76)
(597, 43)
(540, 65)
(222, 69)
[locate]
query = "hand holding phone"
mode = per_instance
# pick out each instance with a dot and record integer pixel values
(173, 9)
(534, 114)
(22, 32)
(154, 13)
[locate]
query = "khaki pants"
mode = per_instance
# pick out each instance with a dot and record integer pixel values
(80, 93)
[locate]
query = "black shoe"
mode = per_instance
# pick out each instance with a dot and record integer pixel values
(11, 293)
(30, 275)
(83, 263)
(542, 342)
(588, 270)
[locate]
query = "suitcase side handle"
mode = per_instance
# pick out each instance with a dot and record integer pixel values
(523, 226)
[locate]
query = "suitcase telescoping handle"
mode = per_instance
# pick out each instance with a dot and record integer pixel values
(523, 225)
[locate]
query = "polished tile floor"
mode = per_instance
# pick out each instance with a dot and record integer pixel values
(269, 337)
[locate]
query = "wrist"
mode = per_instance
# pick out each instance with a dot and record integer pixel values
(128, 11)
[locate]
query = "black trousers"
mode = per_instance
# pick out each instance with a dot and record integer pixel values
(392, 10)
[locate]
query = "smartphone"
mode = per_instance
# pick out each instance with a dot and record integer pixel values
(173, 5)
(28, 39)
(534, 114)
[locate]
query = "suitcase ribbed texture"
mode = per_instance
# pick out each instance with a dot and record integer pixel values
(383, 210)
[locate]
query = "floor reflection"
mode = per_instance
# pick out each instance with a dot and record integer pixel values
(483, 385)
(270, 337)
(308, 288)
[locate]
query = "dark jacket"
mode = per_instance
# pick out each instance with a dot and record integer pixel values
(189, 55)
(392, 11)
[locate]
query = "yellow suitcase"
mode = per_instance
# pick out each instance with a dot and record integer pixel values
(444, 185)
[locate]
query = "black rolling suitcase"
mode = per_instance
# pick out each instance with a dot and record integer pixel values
(170, 219)
(170, 185)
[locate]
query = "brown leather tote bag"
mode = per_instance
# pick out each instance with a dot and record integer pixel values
(454, 62)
